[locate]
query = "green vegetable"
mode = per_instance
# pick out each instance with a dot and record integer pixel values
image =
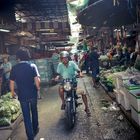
(5, 111)
(5, 121)
(13, 105)
(7, 96)
(15, 116)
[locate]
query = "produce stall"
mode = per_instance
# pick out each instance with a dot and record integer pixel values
(10, 111)
(126, 87)
(107, 62)
(123, 83)
(107, 77)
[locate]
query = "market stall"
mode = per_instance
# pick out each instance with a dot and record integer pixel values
(10, 111)
(125, 85)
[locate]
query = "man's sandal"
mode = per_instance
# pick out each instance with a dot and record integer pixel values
(88, 112)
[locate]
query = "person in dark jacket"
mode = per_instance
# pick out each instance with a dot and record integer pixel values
(87, 62)
(26, 77)
(94, 65)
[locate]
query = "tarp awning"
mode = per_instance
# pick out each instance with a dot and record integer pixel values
(107, 13)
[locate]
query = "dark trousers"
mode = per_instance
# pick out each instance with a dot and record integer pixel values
(87, 66)
(30, 115)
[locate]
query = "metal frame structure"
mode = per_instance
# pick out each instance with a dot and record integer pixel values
(45, 19)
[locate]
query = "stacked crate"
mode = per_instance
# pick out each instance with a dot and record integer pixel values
(41, 65)
(44, 68)
(12, 60)
(55, 61)
(122, 95)
(50, 72)
(135, 105)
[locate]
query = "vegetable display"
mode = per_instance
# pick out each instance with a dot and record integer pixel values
(9, 110)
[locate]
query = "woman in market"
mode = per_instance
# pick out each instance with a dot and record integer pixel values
(94, 65)
(81, 61)
(87, 62)
(7, 66)
(121, 56)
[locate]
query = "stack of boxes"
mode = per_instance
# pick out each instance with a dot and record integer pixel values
(50, 71)
(128, 98)
(55, 61)
(122, 94)
(45, 69)
(42, 68)
(135, 105)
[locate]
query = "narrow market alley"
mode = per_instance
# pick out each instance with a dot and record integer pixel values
(45, 45)
(104, 124)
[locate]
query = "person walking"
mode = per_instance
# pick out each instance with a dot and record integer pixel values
(94, 65)
(87, 62)
(26, 77)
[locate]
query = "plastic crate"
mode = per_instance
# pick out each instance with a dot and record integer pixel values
(135, 99)
(135, 115)
(118, 82)
(118, 96)
(124, 101)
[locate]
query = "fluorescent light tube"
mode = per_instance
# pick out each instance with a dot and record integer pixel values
(4, 30)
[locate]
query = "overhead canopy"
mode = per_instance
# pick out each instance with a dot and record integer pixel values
(108, 13)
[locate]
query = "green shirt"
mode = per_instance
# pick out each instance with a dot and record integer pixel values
(69, 71)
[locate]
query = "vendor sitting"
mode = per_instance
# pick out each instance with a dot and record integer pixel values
(6, 66)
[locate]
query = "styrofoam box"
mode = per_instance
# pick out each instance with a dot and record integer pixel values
(119, 82)
(135, 115)
(134, 99)
(125, 91)
(120, 77)
(118, 96)
(124, 100)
